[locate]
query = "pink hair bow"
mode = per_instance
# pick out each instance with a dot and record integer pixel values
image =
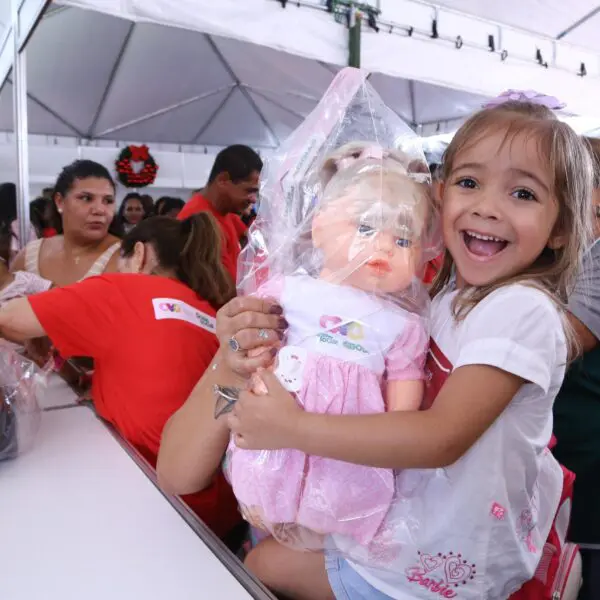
(526, 96)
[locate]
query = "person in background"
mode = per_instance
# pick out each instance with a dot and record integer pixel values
(131, 211)
(156, 210)
(48, 193)
(40, 216)
(149, 329)
(171, 207)
(86, 245)
(577, 407)
(231, 189)
(20, 283)
(8, 214)
(148, 204)
(83, 212)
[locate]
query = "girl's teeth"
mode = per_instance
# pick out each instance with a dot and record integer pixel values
(487, 238)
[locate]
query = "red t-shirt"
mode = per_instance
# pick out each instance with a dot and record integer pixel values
(151, 339)
(231, 225)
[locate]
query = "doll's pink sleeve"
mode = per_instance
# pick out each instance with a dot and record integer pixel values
(405, 359)
(272, 288)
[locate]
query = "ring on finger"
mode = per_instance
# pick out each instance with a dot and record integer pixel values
(234, 345)
(263, 334)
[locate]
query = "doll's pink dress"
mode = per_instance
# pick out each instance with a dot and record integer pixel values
(342, 346)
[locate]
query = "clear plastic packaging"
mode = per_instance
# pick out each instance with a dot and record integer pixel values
(345, 227)
(21, 383)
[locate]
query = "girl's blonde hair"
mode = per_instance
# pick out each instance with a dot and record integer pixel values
(594, 147)
(571, 172)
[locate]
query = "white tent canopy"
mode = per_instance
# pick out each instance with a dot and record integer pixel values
(404, 47)
(102, 73)
(250, 71)
(107, 78)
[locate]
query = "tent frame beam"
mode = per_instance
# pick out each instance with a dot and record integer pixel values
(243, 90)
(264, 96)
(111, 80)
(578, 23)
(51, 112)
(162, 111)
(213, 115)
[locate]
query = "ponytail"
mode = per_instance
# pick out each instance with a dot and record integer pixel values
(201, 263)
(191, 249)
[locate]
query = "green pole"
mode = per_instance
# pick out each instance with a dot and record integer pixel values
(354, 38)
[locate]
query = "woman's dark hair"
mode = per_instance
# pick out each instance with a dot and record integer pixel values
(37, 214)
(8, 202)
(238, 161)
(191, 248)
(170, 204)
(80, 169)
(130, 196)
(8, 214)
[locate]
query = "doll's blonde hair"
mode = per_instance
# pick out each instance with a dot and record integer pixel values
(389, 190)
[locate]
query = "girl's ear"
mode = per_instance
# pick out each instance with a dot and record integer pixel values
(557, 241)
(138, 258)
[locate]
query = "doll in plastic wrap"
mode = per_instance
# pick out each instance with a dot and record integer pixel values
(346, 222)
(351, 347)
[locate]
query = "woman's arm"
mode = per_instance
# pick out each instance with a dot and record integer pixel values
(18, 322)
(470, 401)
(193, 441)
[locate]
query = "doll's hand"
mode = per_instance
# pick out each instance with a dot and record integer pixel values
(246, 323)
(265, 422)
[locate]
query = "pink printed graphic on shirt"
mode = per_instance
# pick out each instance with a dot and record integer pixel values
(525, 526)
(498, 511)
(441, 574)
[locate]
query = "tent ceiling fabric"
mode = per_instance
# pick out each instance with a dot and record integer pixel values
(112, 79)
(547, 17)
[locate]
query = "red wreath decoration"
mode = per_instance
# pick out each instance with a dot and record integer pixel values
(127, 176)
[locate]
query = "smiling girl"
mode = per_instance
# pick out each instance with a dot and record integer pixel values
(516, 196)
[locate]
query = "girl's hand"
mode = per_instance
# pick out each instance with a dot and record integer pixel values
(246, 323)
(265, 422)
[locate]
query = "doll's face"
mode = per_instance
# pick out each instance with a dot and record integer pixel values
(371, 246)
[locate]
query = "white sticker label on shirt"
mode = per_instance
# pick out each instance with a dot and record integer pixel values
(290, 367)
(169, 308)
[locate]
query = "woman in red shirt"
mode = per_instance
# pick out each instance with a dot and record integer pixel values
(150, 330)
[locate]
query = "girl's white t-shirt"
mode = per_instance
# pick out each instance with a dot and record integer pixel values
(483, 521)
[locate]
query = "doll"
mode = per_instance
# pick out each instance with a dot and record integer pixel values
(353, 345)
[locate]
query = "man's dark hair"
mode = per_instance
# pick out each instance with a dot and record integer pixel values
(238, 161)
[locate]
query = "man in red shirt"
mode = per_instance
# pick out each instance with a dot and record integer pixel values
(232, 187)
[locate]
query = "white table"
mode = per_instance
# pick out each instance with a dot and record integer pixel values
(57, 394)
(80, 521)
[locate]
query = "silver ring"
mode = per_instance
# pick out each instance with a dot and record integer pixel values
(263, 334)
(234, 344)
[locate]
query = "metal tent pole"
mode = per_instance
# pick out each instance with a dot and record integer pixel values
(355, 26)
(20, 125)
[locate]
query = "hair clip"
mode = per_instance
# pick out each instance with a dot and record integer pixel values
(526, 96)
